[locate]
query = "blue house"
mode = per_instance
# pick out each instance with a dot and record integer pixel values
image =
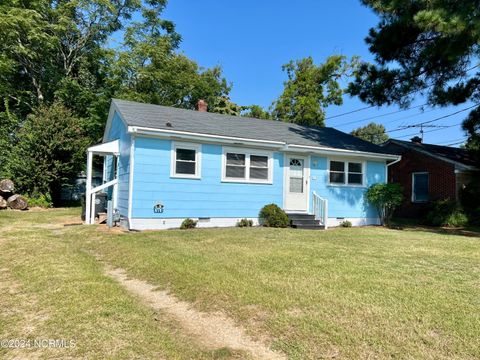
(164, 164)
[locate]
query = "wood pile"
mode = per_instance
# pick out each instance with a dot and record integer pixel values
(9, 199)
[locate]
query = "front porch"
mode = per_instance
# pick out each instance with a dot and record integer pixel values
(111, 148)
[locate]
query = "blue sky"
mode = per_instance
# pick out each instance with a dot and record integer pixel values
(251, 40)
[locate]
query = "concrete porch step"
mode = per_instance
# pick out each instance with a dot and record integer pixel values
(309, 227)
(301, 222)
(304, 221)
(300, 216)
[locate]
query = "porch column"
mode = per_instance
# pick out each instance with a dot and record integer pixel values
(88, 188)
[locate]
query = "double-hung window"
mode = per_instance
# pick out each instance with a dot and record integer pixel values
(259, 167)
(345, 173)
(236, 166)
(246, 166)
(186, 160)
(420, 187)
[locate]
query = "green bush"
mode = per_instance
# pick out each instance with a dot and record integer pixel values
(346, 224)
(43, 201)
(244, 223)
(272, 216)
(188, 224)
(446, 213)
(470, 199)
(49, 151)
(385, 198)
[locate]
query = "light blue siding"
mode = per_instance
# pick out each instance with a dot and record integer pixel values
(119, 131)
(205, 197)
(345, 201)
(210, 197)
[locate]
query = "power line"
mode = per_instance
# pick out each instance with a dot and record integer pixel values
(382, 115)
(409, 116)
(371, 106)
(454, 140)
(429, 131)
(454, 113)
(350, 112)
(457, 143)
(433, 120)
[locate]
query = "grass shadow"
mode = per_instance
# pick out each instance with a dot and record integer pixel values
(414, 225)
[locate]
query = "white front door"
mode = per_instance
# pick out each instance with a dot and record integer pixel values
(296, 191)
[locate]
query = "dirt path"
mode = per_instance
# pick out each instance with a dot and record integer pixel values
(211, 330)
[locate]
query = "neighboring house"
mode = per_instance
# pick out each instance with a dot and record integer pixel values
(175, 164)
(427, 173)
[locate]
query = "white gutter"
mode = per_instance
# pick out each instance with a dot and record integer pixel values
(280, 145)
(394, 162)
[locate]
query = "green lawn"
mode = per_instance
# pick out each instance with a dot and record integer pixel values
(342, 293)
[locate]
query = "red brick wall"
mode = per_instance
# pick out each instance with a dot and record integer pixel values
(441, 181)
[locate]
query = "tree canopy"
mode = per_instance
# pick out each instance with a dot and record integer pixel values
(310, 88)
(50, 151)
(374, 133)
(427, 47)
(256, 111)
(73, 57)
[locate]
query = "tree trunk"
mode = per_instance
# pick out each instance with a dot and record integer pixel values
(6, 186)
(3, 203)
(17, 202)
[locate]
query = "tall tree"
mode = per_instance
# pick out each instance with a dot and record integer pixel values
(45, 41)
(310, 88)
(148, 68)
(429, 47)
(58, 54)
(8, 125)
(374, 133)
(255, 111)
(223, 105)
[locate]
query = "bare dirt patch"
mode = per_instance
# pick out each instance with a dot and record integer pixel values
(212, 330)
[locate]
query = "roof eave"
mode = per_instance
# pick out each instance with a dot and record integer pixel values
(458, 165)
(278, 145)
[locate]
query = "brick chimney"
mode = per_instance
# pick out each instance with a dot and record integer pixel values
(416, 140)
(202, 105)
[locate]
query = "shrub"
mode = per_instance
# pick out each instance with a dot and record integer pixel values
(446, 213)
(385, 198)
(272, 216)
(470, 199)
(49, 152)
(244, 223)
(188, 224)
(43, 201)
(346, 224)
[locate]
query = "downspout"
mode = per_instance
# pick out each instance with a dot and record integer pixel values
(390, 164)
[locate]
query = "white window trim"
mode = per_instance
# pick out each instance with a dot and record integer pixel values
(413, 187)
(198, 159)
(345, 183)
(248, 153)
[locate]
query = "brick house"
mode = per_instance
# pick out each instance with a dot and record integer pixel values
(427, 173)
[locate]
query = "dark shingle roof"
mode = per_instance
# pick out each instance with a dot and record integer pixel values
(156, 116)
(461, 156)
